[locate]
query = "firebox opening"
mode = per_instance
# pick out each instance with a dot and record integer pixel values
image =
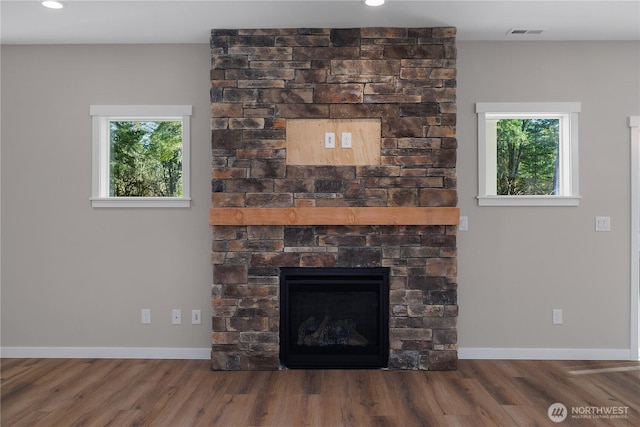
(334, 317)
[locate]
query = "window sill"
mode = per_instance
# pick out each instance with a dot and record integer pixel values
(140, 202)
(528, 200)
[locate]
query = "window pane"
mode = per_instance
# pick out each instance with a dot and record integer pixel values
(145, 159)
(528, 156)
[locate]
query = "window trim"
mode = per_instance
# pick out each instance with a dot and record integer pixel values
(567, 112)
(101, 115)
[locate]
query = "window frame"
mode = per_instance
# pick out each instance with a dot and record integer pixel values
(567, 112)
(101, 116)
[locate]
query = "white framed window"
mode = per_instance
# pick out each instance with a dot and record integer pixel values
(528, 153)
(140, 155)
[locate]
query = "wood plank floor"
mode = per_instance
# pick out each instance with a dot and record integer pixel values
(177, 393)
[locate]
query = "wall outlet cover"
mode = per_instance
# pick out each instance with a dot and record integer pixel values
(176, 316)
(557, 316)
(346, 140)
(145, 316)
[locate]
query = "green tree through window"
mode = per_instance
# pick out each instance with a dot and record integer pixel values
(145, 158)
(527, 156)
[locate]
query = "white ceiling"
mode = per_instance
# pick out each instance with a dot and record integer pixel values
(164, 21)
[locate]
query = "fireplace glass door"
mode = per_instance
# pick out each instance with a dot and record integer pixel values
(334, 317)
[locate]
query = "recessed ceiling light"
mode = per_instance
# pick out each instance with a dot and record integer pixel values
(373, 2)
(52, 4)
(523, 31)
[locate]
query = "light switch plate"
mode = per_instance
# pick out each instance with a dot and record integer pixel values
(329, 140)
(603, 223)
(196, 317)
(464, 223)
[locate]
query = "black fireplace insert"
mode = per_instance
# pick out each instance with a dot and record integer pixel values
(334, 317)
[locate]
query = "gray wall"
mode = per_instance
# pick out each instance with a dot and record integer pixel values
(77, 276)
(516, 264)
(73, 276)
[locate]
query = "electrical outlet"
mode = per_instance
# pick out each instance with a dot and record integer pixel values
(196, 317)
(145, 316)
(176, 316)
(346, 139)
(557, 316)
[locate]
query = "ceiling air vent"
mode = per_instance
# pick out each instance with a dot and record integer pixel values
(519, 31)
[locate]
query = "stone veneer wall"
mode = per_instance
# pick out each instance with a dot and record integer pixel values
(403, 76)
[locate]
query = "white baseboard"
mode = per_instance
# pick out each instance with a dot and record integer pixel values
(205, 353)
(546, 353)
(104, 353)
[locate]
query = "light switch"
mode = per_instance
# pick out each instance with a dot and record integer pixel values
(329, 140)
(603, 223)
(464, 223)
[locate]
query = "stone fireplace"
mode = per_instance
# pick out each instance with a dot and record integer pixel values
(265, 210)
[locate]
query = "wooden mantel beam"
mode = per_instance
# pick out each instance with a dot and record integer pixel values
(335, 216)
